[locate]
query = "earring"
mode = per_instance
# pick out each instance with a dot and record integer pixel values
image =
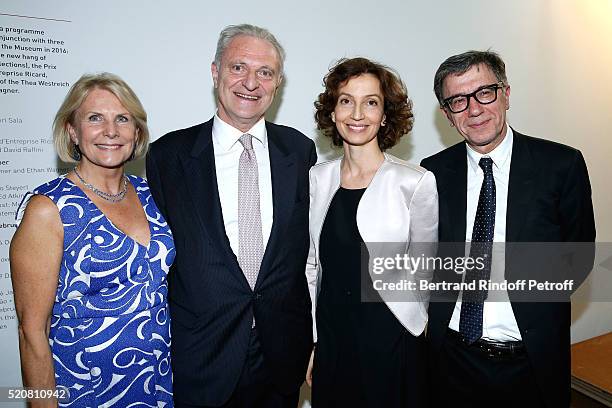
(383, 123)
(76, 153)
(333, 117)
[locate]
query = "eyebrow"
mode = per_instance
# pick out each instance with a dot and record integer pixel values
(100, 113)
(365, 96)
(469, 93)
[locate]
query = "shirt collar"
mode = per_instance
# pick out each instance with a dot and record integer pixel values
(499, 155)
(225, 136)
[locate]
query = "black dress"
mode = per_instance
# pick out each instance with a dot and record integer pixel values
(364, 356)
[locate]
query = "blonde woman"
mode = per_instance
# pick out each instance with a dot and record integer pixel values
(90, 258)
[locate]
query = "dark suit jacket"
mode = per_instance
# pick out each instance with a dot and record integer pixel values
(549, 200)
(211, 303)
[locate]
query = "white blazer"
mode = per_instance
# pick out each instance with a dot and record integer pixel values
(399, 207)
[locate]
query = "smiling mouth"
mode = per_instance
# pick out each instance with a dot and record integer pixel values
(477, 125)
(248, 97)
(109, 147)
(357, 128)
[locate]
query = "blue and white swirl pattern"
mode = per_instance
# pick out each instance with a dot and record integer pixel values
(110, 326)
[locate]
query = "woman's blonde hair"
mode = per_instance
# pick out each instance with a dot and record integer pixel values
(65, 147)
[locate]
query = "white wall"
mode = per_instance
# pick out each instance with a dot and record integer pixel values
(558, 56)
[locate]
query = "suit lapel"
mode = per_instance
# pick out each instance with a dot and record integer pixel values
(520, 193)
(520, 187)
(284, 180)
(456, 193)
(200, 167)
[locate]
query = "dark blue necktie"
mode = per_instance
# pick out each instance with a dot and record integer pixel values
(470, 323)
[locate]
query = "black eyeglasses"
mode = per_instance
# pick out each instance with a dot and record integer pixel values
(484, 95)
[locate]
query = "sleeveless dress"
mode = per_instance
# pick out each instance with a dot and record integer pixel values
(110, 326)
(364, 358)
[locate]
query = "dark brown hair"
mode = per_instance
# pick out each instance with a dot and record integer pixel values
(397, 107)
(461, 63)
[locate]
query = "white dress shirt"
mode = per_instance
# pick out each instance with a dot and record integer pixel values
(498, 321)
(227, 150)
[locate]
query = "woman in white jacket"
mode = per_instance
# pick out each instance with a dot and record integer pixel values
(370, 346)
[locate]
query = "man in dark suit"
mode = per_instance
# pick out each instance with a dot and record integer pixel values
(501, 186)
(235, 193)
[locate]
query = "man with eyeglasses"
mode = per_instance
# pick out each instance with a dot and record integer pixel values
(501, 186)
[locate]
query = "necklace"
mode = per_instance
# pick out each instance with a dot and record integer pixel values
(113, 198)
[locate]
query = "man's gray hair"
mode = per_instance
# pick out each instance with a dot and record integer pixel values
(461, 63)
(230, 32)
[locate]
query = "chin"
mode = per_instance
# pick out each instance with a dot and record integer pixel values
(482, 139)
(112, 164)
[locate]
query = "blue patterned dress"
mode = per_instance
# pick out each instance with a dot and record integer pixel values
(110, 326)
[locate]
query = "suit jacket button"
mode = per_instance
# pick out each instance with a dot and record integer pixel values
(257, 296)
